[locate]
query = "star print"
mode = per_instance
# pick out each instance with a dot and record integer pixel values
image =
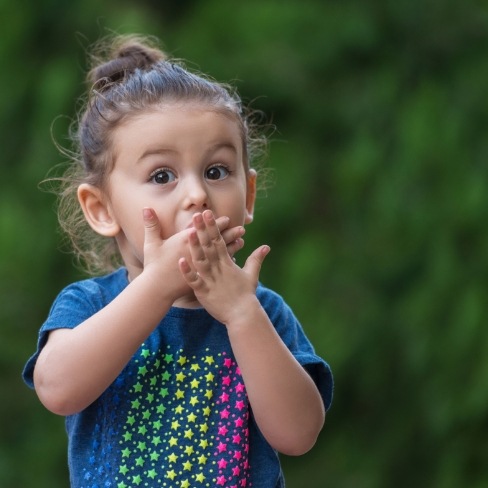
(188, 434)
(139, 461)
(127, 436)
(168, 358)
(182, 360)
(122, 485)
(173, 441)
(179, 394)
(141, 446)
(166, 376)
(156, 440)
(142, 370)
(195, 367)
(240, 405)
(172, 457)
(195, 383)
(224, 414)
(224, 397)
(137, 387)
(227, 362)
(161, 409)
(239, 422)
(237, 455)
(223, 430)
(137, 480)
(191, 418)
(180, 377)
(179, 409)
(221, 480)
(171, 475)
(152, 473)
(163, 392)
(123, 469)
(194, 400)
(222, 463)
(222, 447)
(135, 404)
(189, 450)
(154, 456)
(206, 411)
(209, 359)
(187, 466)
(200, 477)
(236, 471)
(157, 425)
(175, 425)
(145, 353)
(202, 459)
(209, 377)
(126, 452)
(226, 380)
(240, 387)
(203, 428)
(185, 484)
(236, 439)
(203, 444)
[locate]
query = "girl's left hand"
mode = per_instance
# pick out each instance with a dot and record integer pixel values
(223, 288)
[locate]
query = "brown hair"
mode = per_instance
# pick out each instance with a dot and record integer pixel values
(130, 75)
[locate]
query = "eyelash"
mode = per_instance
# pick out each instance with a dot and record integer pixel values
(219, 166)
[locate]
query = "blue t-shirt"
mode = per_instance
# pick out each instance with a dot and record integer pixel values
(178, 414)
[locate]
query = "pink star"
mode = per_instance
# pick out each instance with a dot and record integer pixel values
(223, 430)
(237, 455)
(224, 414)
(240, 405)
(240, 387)
(236, 439)
(222, 463)
(224, 397)
(236, 471)
(246, 464)
(221, 480)
(226, 380)
(238, 370)
(228, 362)
(222, 447)
(244, 482)
(239, 422)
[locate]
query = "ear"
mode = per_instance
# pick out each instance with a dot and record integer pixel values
(97, 210)
(250, 195)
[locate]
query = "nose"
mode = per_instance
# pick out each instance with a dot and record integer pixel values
(195, 194)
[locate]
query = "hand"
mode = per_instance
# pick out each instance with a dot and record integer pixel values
(222, 287)
(161, 255)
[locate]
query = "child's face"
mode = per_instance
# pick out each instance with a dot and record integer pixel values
(178, 160)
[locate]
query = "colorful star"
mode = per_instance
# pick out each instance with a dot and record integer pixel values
(171, 474)
(200, 477)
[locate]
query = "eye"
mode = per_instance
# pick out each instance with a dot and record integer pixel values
(162, 176)
(217, 173)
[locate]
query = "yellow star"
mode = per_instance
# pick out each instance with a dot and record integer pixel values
(179, 393)
(187, 466)
(200, 477)
(209, 359)
(195, 383)
(171, 474)
(175, 425)
(209, 377)
(202, 459)
(189, 450)
(179, 409)
(203, 444)
(182, 360)
(195, 367)
(191, 418)
(185, 484)
(203, 428)
(188, 434)
(194, 400)
(206, 411)
(209, 394)
(173, 441)
(172, 457)
(180, 377)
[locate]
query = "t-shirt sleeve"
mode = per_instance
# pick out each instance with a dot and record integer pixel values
(71, 308)
(293, 335)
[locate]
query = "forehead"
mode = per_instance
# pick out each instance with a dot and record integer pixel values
(186, 123)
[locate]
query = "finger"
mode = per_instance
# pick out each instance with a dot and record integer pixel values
(152, 227)
(255, 261)
(235, 246)
(223, 223)
(197, 252)
(191, 276)
(232, 234)
(213, 233)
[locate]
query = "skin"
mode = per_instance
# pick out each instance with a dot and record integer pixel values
(176, 202)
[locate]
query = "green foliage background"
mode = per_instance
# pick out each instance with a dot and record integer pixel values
(377, 218)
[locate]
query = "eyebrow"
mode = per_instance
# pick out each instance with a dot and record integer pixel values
(158, 151)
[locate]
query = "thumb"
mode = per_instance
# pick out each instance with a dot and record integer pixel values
(255, 260)
(152, 228)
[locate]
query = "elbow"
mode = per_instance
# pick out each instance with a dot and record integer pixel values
(301, 441)
(56, 399)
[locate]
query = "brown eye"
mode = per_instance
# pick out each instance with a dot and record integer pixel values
(163, 176)
(216, 173)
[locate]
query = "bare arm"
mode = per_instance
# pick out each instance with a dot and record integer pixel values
(285, 401)
(77, 365)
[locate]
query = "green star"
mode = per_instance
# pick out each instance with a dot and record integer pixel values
(137, 480)
(145, 353)
(141, 446)
(146, 415)
(136, 404)
(137, 387)
(161, 409)
(139, 461)
(157, 424)
(164, 392)
(156, 440)
(168, 358)
(131, 420)
(122, 485)
(123, 469)
(142, 429)
(143, 370)
(152, 474)
(154, 456)
(127, 436)
(166, 376)
(150, 397)
(126, 452)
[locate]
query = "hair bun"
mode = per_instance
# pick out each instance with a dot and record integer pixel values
(123, 57)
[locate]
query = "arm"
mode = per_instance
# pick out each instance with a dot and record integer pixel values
(286, 403)
(77, 365)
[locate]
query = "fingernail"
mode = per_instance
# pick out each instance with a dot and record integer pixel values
(146, 213)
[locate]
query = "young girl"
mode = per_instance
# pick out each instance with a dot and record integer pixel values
(177, 369)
